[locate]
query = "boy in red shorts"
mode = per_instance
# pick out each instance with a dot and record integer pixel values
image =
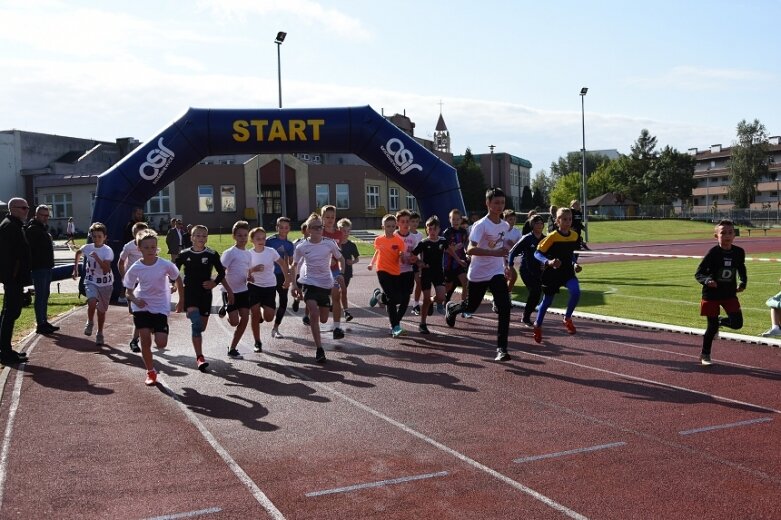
(718, 272)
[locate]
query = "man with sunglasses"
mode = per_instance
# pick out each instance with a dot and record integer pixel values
(14, 275)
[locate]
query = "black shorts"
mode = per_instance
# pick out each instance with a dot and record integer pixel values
(263, 296)
(319, 295)
(451, 275)
(240, 301)
(198, 297)
(347, 280)
(158, 323)
(429, 277)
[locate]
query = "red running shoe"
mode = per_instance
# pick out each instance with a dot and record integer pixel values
(569, 326)
(201, 363)
(151, 378)
(538, 334)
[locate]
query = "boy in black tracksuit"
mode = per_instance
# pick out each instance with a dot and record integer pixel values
(718, 272)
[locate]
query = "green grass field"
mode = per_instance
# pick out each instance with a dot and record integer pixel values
(661, 290)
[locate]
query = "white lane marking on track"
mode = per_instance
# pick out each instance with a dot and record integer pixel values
(691, 356)
(654, 438)
(9, 427)
(532, 458)
(642, 379)
(237, 470)
(725, 426)
(380, 483)
(189, 514)
(477, 465)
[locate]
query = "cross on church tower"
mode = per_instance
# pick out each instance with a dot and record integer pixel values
(441, 134)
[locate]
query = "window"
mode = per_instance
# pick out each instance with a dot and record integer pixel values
(321, 195)
(160, 203)
(412, 204)
(372, 196)
(272, 202)
(228, 198)
(393, 199)
(342, 196)
(61, 204)
(205, 199)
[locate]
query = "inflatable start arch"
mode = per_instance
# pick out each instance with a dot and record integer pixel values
(203, 132)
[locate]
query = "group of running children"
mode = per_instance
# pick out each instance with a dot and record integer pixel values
(318, 267)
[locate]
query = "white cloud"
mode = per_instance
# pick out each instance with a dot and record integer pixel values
(308, 12)
(702, 78)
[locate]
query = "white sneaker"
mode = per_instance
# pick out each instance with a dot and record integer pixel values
(773, 331)
(88, 329)
(275, 334)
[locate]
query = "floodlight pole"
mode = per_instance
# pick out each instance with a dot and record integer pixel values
(584, 206)
(282, 191)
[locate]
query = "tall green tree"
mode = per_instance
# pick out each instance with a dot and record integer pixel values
(573, 162)
(645, 146)
(472, 183)
(749, 162)
(567, 189)
(670, 177)
(526, 199)
(542, 184)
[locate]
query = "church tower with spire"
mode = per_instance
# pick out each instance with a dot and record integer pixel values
(441, 135)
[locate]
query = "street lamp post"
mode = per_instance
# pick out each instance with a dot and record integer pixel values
(583, 93)
(282, 191)
(491, 147)
(259, 203)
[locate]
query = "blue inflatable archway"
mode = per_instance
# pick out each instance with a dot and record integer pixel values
(203, 132)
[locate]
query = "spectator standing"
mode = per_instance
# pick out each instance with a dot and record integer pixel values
(173, 239)
(70, 233)
(136, 216)
(14, 273)
(42, 262)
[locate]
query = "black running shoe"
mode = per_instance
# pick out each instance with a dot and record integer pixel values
(338, 333)
(233, 353)
(320, 355)
(296, 303)
(451, 311)
(258, 346)
(134, 345)
(305, 320)
(423, 329)
(347, 315)
(502, 355)
(416, 310)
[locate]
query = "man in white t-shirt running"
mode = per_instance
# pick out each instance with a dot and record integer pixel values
(488, 269)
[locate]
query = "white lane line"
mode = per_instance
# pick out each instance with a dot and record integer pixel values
(460, 456)
(690, 356)
(189, 514)
(379, 483)
(569, 452)
(725, 426)
(9, 427)
(237, 470)
(715, 397)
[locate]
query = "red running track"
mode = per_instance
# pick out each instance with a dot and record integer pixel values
(613, 422)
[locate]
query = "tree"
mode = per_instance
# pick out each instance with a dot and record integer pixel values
(602, 181)
(567, 189)
(643, 148)
(472, 183)
(526, 199)
(541, 188)
(749, 162)
(670, 177)
(574, 163)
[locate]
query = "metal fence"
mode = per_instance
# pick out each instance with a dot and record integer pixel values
(764, 217)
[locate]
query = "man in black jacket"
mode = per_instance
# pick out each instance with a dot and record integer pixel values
(14, 274)
(42, 250)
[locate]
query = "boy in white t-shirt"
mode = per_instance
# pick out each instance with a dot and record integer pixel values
(263, 282)
(312, 260)
(147, 290)
(488, 269)
(128, 256)
(98, 278)
(236, 260)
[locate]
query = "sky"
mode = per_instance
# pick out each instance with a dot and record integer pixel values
(503, 73)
